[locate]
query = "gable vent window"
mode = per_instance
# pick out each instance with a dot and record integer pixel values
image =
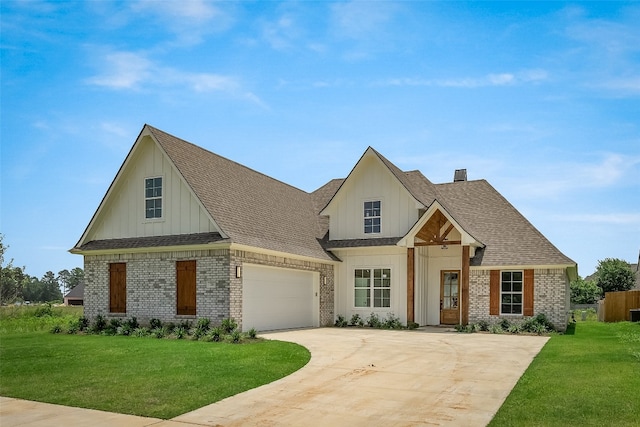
(153, 197)
(372, 217)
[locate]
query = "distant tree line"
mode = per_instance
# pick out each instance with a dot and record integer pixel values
(17, 285)
(611, 275)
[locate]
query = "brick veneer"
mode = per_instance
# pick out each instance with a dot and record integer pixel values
(151, 284)
(549, 296)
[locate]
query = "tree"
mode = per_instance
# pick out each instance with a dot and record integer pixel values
(584, 292)
(12, 279)
(70, 279)
(50, 287)
(614, 274)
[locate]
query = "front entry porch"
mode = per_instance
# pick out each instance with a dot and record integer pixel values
(438, 257)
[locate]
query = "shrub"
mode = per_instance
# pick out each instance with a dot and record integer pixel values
(542, 319)
(99, 324)
(252, 333)
(56, 329)
(140, 332)
(341, 322)
(158, 333)
(515, 328)
(214, 334)
(203, 324)
(355, 320)
(392, 322)
(505, 324)
(228, 325)
(373, 321)
(236, 336)
(44, 310)
(412, 325)
(179, 332)
(133, 323)
(124, 329)
(83, 323)
(483, 325)
(496, 328)
(155, 323)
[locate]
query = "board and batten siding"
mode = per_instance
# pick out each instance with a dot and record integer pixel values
(371, 181)
(123, 213)
(383, 257)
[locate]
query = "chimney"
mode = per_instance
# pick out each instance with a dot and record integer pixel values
(460, 175)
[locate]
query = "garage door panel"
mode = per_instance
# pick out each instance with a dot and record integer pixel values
(277, 298)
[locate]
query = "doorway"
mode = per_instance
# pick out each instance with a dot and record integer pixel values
(449, 297)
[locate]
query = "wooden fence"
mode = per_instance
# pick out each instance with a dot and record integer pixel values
(616, 305)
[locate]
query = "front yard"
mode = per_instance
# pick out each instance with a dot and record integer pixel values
(159, 378)
(587, 377)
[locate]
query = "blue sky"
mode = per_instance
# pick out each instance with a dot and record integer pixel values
(541, 99)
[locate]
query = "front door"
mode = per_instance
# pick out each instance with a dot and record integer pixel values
(449, 297)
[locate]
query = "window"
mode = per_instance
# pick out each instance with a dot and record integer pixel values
(372, 217)
(372, 287)
(511, 292)
(153, 197)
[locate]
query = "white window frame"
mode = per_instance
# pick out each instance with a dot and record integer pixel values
(511, 293)
(375, 285)
(372, 217)
(154, 197)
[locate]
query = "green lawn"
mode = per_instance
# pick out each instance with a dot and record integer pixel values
(152, 377)
(587, 377)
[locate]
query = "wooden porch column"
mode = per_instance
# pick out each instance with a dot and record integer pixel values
(411, 285)
(465, 285)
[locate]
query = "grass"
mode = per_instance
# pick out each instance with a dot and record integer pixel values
(35, 317)
(142, 376)
(589, 376)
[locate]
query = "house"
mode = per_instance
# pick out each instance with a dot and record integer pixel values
(75, 296)
(183, 233)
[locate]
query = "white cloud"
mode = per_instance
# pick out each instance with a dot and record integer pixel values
(134, 71)
(123, 70)
(493, 79)
(189, 20)
(561, 178)
(608, 218)
(360, 19)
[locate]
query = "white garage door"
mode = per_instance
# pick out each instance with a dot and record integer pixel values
(278, 298)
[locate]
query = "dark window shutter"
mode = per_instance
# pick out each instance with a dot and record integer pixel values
(186, 287)
(118, 287)
(494, 293)
(527, 308)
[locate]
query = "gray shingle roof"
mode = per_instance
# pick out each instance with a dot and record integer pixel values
(256, 210)
(509, 238)
(76, 292)
(249, 207)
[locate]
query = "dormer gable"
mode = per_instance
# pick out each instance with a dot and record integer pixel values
(148, 197)
(372, 202)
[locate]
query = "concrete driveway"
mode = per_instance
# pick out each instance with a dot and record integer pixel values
(356, 377)
(363, 377)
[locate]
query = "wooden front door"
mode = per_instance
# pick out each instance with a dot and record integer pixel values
(449, 297)
(186, 289)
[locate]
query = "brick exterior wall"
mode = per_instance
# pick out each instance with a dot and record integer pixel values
(151, 284)
(550, 296)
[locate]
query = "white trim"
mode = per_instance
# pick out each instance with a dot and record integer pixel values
(512, 293)
(162, 198)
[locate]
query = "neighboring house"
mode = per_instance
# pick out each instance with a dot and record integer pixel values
(183, 233)
(75, 296)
